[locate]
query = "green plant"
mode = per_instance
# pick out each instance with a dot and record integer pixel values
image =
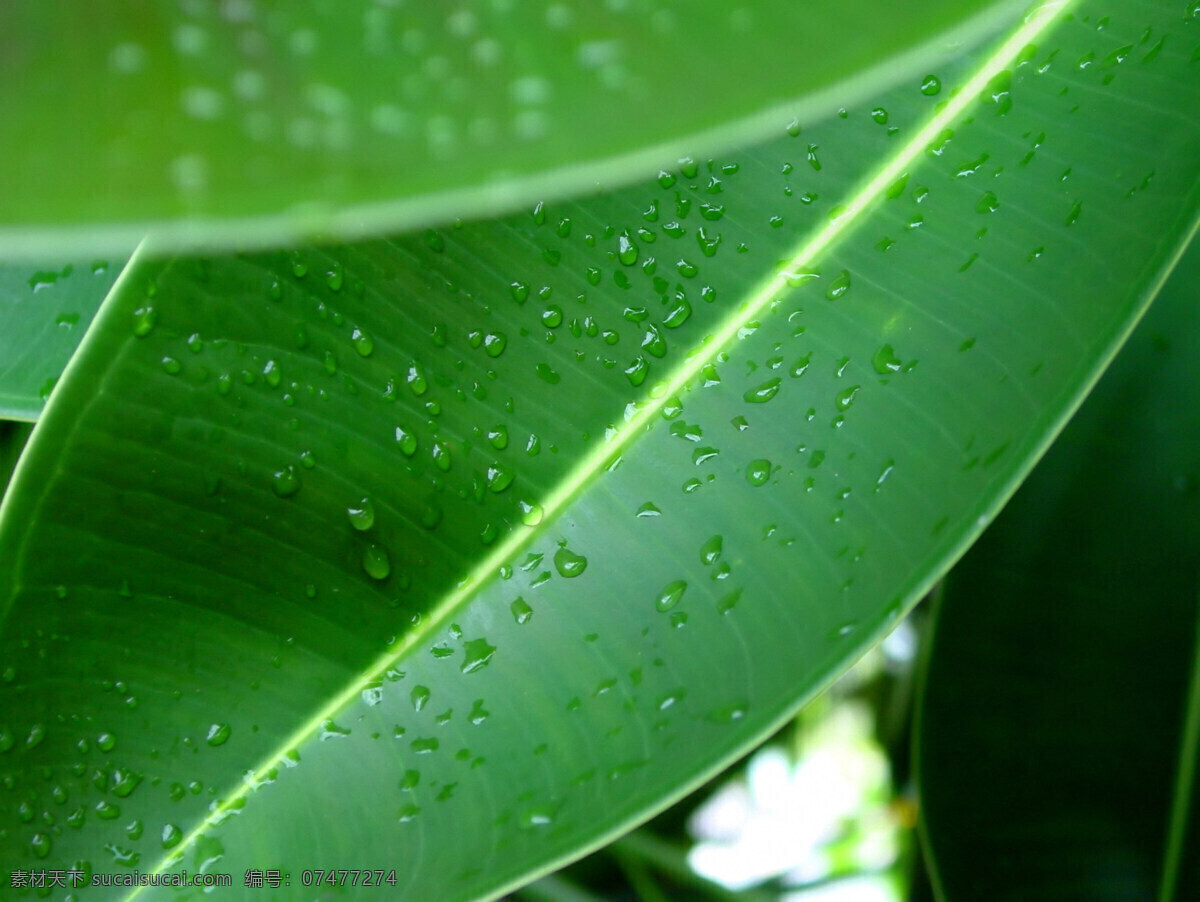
(457, 552)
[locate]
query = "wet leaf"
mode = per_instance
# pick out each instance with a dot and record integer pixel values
(179, 544)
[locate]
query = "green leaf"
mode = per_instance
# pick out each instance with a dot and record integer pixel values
(241, 123)
(460, 552)
(44, 311)
(1060, 727)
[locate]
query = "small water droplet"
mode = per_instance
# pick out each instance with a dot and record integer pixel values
(671, 595)
(144, 319)
(839, 286)
(531, 513)
(361, 514)
(521, 610)
(420, 697)
(763, 393)
(499, 477)
(375, 561)
(885, 361)
(758, 471)
(407, 441)
(218, 734)
(931, 85)
(627, 251)
(710, 551)
(477, 653)
(362, 343)
(285, 481)
(568, 563)
(171, 836)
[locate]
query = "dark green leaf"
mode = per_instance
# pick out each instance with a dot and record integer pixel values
(1058, 739)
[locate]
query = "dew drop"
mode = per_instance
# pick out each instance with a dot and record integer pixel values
(568, 563)
(375, 562)
(531, 513)
(521, 610)
(218, 734)
(839, 286)
(758, 471)
(710, 551)
(477, 653)
(885, 361)
(144, 319)
(362, 343)
(763, 393)
(671, 595)
(627, 251)
(931, 85)
(361, 514)
(285, 481)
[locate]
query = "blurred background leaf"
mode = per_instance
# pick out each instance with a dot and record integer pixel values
(1058, 737)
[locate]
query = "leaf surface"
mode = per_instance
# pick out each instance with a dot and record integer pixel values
(248, 123)
(462, 551)
(1059, 733)
(44, 311)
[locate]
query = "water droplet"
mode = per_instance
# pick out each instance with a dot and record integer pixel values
(649, 509)
(568, 563)
(144, 319)
(40, 845)
(729, 602)
(846, 398)
(531, 513)
(885, 361)
(407, 441)
(499, 477)
(988, 203)
(375, 562)
(1074, 214)
(494, 343)
(763, 393)
(670, 595)
(627, 251)
(218, 734)
(931, 85)
(839, 286)
(362, 343)
(521, 610)
(441, 456)
(420, 697)
(171, 836)
(538, 816)
(758, 471)
(424, 746)
(710, 551)
(476, 655)
(285, 481)
(362, 514)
